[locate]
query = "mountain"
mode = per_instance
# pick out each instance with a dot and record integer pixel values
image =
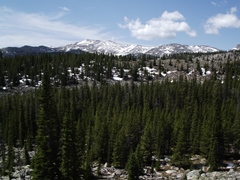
(237, 47)
(110, 47)
(27, 50)
(106, 47)
(180, 48)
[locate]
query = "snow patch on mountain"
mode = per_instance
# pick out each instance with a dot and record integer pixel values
(237, 47)
(180, 48)
(111, 47)
(106, 47)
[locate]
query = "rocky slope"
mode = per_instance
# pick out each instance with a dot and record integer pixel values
(164, 171)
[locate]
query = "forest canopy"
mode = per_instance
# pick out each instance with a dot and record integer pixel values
(124, 124)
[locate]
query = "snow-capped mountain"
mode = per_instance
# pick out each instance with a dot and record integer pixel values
(180, 48)
(106, 47)
(237, 47)
(110, 47)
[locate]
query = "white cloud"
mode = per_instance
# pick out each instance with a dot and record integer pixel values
(219, 21)
(166, 26)
(213, 3)
(21, 28)
(65, 9)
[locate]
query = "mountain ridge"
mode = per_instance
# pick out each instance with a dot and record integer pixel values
(111, 47)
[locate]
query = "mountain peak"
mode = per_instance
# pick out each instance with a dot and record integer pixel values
(237, 47)
(115, 48)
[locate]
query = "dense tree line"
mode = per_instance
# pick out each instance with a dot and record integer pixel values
(122, 124)
(65, 68)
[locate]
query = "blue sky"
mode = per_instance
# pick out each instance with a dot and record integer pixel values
(59, 22)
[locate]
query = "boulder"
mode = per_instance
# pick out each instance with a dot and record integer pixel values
(171, 171)
(193, 174)
(203, 175)
(105, 165)
(118, 172)
(180, 175)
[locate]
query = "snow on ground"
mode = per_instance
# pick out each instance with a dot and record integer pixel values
(203, 71)
(191, 72)
(116, 78)
(163, 74)
(208, 72)
(169, 72)
(151, 71)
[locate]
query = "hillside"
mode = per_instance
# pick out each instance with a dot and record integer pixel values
(91, 115)
(72, 69)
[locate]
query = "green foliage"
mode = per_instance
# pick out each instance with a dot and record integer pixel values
(70, 162)
(122, 124)
(26, 155)
(146, 145)
(120, 150)
(199, 68)
(132, 167)
(46, 160)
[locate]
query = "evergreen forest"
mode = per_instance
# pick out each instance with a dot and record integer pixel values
(70, 122)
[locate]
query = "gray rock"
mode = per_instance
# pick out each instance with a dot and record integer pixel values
(118, 172)
(193, 174)
(171, 171)
(180, 175)
(231, 171)
(105, 165)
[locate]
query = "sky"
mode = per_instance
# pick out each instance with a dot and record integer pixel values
(56, 23)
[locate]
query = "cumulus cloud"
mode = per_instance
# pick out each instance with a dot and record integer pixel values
(21, 28)
(166, 26)
(219, 21)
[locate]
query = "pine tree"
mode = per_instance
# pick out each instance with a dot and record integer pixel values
(135, 74)
(216, 152)
(212, 156)
(120, 150)
(21, 124)
(46, 160)
(181, 149)
(100, 135)
(195, 130)
(10, 150)
(160, 143)
(146, 145)
(132, 167)
(2, 79)
(70, 166)
(236, 130)
(26, 155)
(80, 138)
(199, 67)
